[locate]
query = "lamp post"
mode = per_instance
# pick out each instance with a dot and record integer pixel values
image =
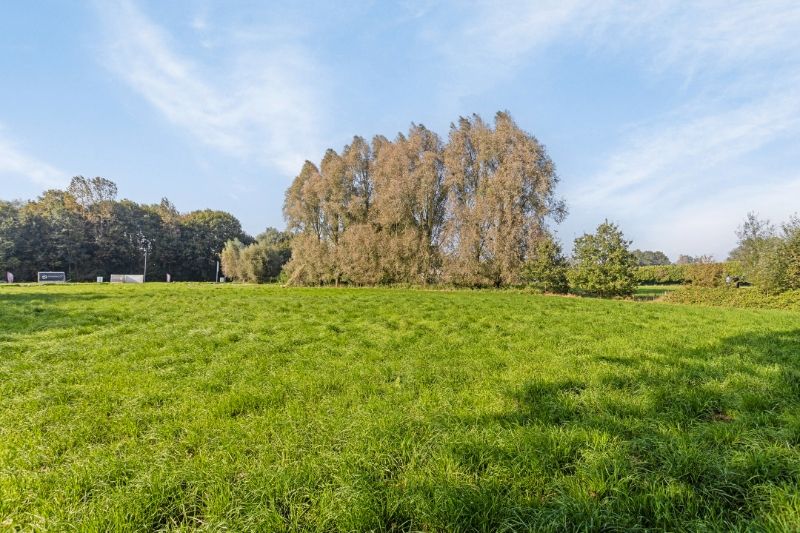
(145, 246)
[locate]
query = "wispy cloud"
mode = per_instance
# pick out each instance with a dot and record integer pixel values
(15, 163)
(675, 156)
(700, 37)
(692, 162)
(739, 65)
(263, 106)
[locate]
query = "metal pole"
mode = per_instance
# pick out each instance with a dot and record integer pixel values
(216, 276)
(144, 277)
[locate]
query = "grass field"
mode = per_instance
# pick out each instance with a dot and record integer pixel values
(258, 407)
(651, 292)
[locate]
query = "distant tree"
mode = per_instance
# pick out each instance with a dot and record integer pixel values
(167, 253)
(266, 257)
(409, 207)
(86, 232)
(314, 220)
(259, 262)
(791, 252)
(758, 242)
(203, 236)
(231, 258)
(88, 192)
(602, 264)
(57, 236)
(546, 267)
(649, 258)
(778, 260)
(9, 231)
(751, 235)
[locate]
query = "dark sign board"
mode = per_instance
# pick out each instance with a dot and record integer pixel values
(52, 277)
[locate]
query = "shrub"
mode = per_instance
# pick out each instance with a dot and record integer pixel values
(706, 274)
(602, 264)
(771, 259)
(546, 270)
(259, 262)
(731, 297)
(703, 274)
(661, 274)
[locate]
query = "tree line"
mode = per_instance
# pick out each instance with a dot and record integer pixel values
(474, 210)
(87, 232)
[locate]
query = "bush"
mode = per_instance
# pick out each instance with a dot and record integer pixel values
(546, 270)
(771, 259)
(661, 274)
(602, 264)
(706, 275)
(702, 274)
(732, 297)
(259, 262)
(778, 268)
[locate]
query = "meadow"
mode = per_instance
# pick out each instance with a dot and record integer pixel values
(192, 406)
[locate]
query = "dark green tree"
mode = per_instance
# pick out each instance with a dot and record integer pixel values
(651, 258)
(546, 269)
(602, 264)
(203, 236)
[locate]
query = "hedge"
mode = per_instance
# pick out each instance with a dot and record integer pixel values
(749, 298)
(661, 274)
(703, 274)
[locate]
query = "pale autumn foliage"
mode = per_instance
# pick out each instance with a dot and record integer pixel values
(416, 210)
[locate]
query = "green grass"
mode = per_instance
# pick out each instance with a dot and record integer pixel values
(650, 292)
(256, 407)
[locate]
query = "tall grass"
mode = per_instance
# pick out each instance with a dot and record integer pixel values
(251, 407)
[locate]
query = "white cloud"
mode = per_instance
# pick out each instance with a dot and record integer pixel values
(677, 156)
(263, 106)
(669, 35)
(15, 164)
(677, 179)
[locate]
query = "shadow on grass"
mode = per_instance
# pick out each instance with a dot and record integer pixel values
(688, 438)
(23, 313)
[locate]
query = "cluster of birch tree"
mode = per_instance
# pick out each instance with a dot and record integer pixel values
(471, 211)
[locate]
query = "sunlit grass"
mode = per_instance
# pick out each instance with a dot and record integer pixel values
(649, 292)
(253, 407)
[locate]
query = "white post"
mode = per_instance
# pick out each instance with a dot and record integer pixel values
(144, 276)
(216, 276)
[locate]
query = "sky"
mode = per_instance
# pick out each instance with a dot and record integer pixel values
(673, 119)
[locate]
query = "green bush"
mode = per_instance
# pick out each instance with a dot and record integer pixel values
(661, 274)
(771, 258)
(259, 262)
(732, 297)
(702, 274)
(546, 270)
(602, 265)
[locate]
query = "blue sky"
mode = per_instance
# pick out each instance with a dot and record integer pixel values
(673, 119)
